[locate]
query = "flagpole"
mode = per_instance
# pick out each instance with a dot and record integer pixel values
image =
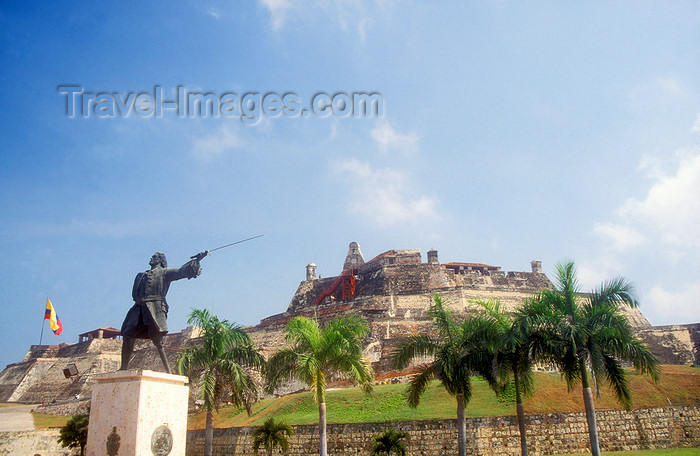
(42, 325)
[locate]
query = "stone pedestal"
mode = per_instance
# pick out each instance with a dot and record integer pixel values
(138, 413)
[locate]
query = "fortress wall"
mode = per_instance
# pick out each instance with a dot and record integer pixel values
(145, 355)
(41, 351)
(671, 427)
(17, 378)
(41, 378)
(89, 346)
(676, 344)
(90, 357)
(394, 300)
(54, 386)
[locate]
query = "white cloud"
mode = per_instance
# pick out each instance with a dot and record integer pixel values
(383, 196)
(667, 218)
(347, 15)
(658, 90)
(679, 306)
(696, 125)
(213, 12)
(670, 86)
(622, 237)
(670, 210)
(651, 167)
(592, 273)
(214, 145)
(387, 138)
(278, 11)
(653, 233)
(362, 28)
(334, 130)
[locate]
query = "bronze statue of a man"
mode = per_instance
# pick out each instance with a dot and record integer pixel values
(147, 318)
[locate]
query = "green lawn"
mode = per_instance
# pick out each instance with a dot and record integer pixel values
(679, 384)
(42, 421)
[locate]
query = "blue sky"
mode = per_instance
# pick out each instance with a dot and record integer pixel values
(509, 132)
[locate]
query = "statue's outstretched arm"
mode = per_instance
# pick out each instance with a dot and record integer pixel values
(189, 270)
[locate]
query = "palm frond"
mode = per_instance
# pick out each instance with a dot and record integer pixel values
(569, 367)
(207, 389)
(442, 317)
(596, 359)
(636, 351)
(247, 356)
(419, 383)
(618, 291)
(567, 285)
(352, 327)
(412, 348)
(270, 435)
(356, 368)
(303, 333)
(617, 379)
(199, 317)
(281, 367)
(391, 441)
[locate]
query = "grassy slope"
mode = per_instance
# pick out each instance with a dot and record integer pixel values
(679, 385)
(42, 421)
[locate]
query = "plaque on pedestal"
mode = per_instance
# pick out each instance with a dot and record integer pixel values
(138, 413)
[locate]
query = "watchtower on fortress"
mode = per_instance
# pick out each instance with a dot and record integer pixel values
(354, 258)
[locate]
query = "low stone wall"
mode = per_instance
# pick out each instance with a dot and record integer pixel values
(547, 434)
(65, 408)
(30, 443)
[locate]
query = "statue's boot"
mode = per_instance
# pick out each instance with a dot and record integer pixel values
(127, 350)
(161, 352)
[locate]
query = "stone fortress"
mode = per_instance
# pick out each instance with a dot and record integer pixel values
(392, 292)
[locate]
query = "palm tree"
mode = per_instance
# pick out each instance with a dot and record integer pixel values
(221, 364)
(518, 340)
(316, 354)
(272, 434)
(596, 338)
(391, 441)
(74, 433)
(454, 361)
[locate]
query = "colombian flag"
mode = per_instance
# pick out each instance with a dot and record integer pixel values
(50, 315)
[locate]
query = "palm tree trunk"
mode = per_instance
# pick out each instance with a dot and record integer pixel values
(590, 411)
(322, 429)
(209, 434)
(461, 427)
(520, 410)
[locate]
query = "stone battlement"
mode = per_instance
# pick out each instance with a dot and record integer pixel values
(393, 292)
(401, 272)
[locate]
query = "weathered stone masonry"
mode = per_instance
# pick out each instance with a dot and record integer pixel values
(671, 427)
(394, 291)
